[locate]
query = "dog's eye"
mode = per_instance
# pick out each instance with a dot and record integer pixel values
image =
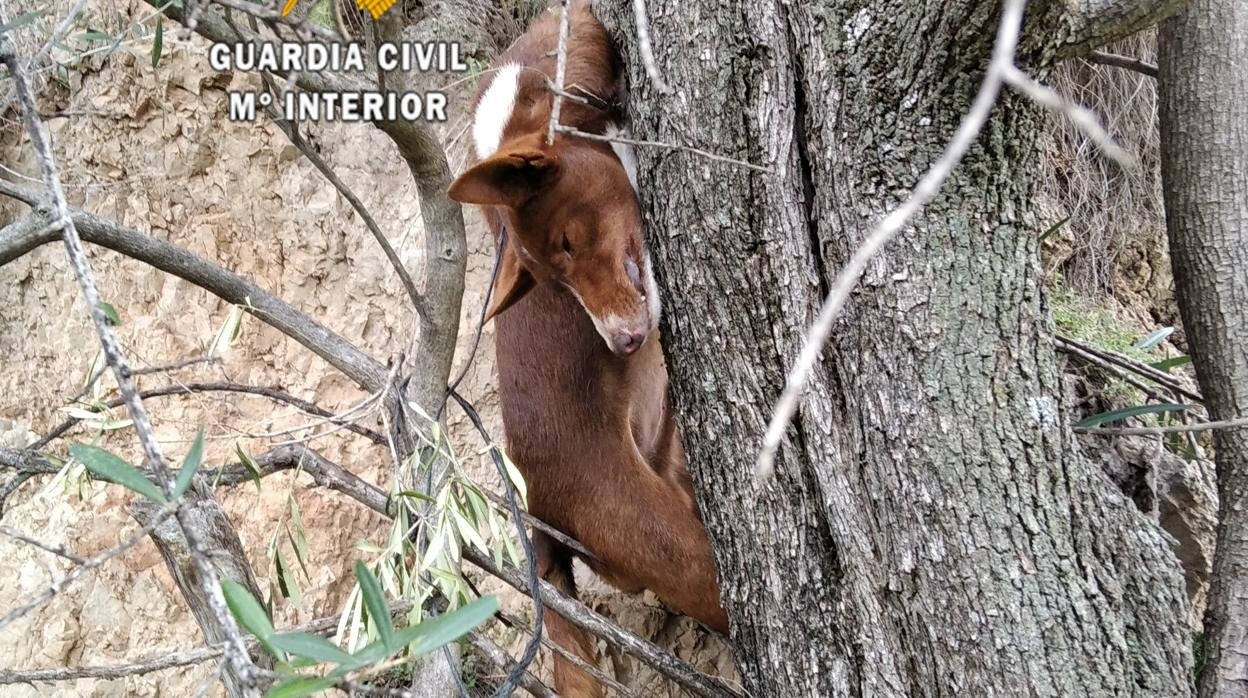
(567, 245)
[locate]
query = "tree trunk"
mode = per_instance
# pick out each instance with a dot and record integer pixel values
(1203, 59)
(931, 528)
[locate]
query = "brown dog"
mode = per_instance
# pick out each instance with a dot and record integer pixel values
(582, 380)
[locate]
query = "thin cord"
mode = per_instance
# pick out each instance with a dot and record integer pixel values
(485, 308)
(530, 651)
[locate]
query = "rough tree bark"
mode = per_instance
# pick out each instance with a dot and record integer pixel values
(225, 554)
(1203, 54)
(932, 528)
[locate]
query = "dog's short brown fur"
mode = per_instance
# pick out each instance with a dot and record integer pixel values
(582, 378)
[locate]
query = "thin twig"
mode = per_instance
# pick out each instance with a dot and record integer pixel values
(886, 229)
(554, 90)
(647, 51)
(546, 528)
(292, 133)
(110, 671)
(499, 658)
(1106, 356)
(656, 144)
(87, 565)
(58, 550)
(49, 115)
(142, 372)
(191, 388)
(239, 661)
(1127, 62)
(561, 64)
(1128, 378)
(1082, 118)
(324, 472)
(1162, 431)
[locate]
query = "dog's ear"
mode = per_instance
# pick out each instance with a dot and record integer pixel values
(509, 177)
(512, 283)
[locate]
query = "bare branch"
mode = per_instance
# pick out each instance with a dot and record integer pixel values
(145, 371)
(49, 115)
(324, 472)
(1125, 62)
(1082, 118)
(647, 51)
(21, 237)
(24, 195)
(113, 671)
(1109, 366)
(561, 64)
(192, 388)
(656, 144)
(26, 462)
(1113, 358)
(58, 550)
(1090, 24)
(499, 658)
(240, 664)
(1162, 431)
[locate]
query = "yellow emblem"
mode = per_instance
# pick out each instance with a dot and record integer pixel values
(376, 8)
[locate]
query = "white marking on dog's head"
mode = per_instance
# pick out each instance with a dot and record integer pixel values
(614, 329)
(494, 110)
(602, 325)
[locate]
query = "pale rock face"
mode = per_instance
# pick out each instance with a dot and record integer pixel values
(236, 193)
